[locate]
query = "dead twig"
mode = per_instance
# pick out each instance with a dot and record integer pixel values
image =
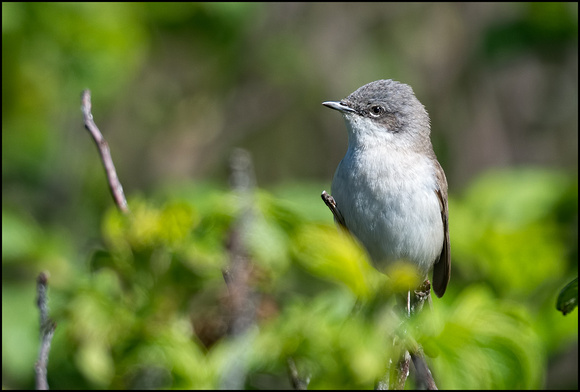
(423, 375)
(297, 382)
(238, 275)
(47, 328)
(104, 151)
(243, 299)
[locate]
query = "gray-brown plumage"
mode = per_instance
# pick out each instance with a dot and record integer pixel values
(389, 188)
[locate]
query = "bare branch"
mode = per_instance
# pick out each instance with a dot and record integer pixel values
(103, 146)
(47, 328)
(396, 376)
(297, 382)
(402, 371)
(422, 374)
(243, 299)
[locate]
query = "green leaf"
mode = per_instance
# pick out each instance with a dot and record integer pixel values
(568, 298)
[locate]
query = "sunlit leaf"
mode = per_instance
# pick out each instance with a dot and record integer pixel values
(568, 298)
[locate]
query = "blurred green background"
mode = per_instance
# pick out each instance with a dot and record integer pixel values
(176, 88)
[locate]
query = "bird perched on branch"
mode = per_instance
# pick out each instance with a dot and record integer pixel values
(389, 190)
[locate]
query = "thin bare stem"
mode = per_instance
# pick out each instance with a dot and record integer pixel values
(103, 146)
(243, 299)
(402, 371)
(396, 375)
(238, 276)
(297, 382)
(47, 328)
(423, 375)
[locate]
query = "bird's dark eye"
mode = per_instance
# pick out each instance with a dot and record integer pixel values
(376, 110)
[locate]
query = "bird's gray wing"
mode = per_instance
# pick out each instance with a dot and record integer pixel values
(442, 267)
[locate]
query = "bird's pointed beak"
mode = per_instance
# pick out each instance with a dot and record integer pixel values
(338, 106)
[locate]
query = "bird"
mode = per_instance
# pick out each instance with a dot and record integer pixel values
(389, 189)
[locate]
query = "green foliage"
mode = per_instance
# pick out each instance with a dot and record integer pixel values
(516, 232)
(509, 230)
(333, 254)
(129, 319)
(483, 342)
(542, 26)
(142, 303)
(568, 298)
(151, 312)
(331, 344)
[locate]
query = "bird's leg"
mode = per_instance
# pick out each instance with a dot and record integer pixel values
(421, 294)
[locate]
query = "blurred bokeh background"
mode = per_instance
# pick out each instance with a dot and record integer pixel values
(177, 88)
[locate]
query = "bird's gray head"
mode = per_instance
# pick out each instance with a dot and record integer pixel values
(385, 111)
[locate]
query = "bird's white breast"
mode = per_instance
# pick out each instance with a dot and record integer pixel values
(387, 197)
